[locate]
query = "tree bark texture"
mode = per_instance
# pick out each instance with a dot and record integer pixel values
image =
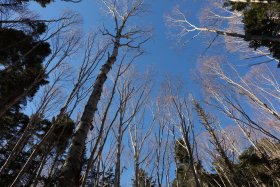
(72, 167)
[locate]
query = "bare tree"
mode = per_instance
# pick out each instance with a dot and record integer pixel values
(127, 92)
(249, 100)
(179, 21)
(163, 143)
(180, 126)
(71, 170)
(256, 88)
(101, 135)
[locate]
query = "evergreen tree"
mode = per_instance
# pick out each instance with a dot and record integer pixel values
(263, 166)
(22, 54)
(184, 176)
(254, 167)
(262, 19)
(144, 180)
(8, 176)
(105, 178)
(21, 58)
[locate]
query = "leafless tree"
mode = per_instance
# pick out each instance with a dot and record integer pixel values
(185, 127)
(249, 100)
(180, 123)
(222, 22)
(135, 110)
(179, 21)
(163, 143)
(71, 170)
(103, 132)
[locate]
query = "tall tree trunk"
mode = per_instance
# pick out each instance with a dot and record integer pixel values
(243, 36)
(118, 159)
(103, 121)
(38, 175)
(98, 169)
(186, 136)
(217, 144)
(72, 167)
(52, 171)
(136, 169)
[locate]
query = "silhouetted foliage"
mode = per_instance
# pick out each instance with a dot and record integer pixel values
(145, 180)
(101, 178)
(17, 3)
(184, 176)
(21, 58)
(253, 167)
(8, 143)
(261, 19)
